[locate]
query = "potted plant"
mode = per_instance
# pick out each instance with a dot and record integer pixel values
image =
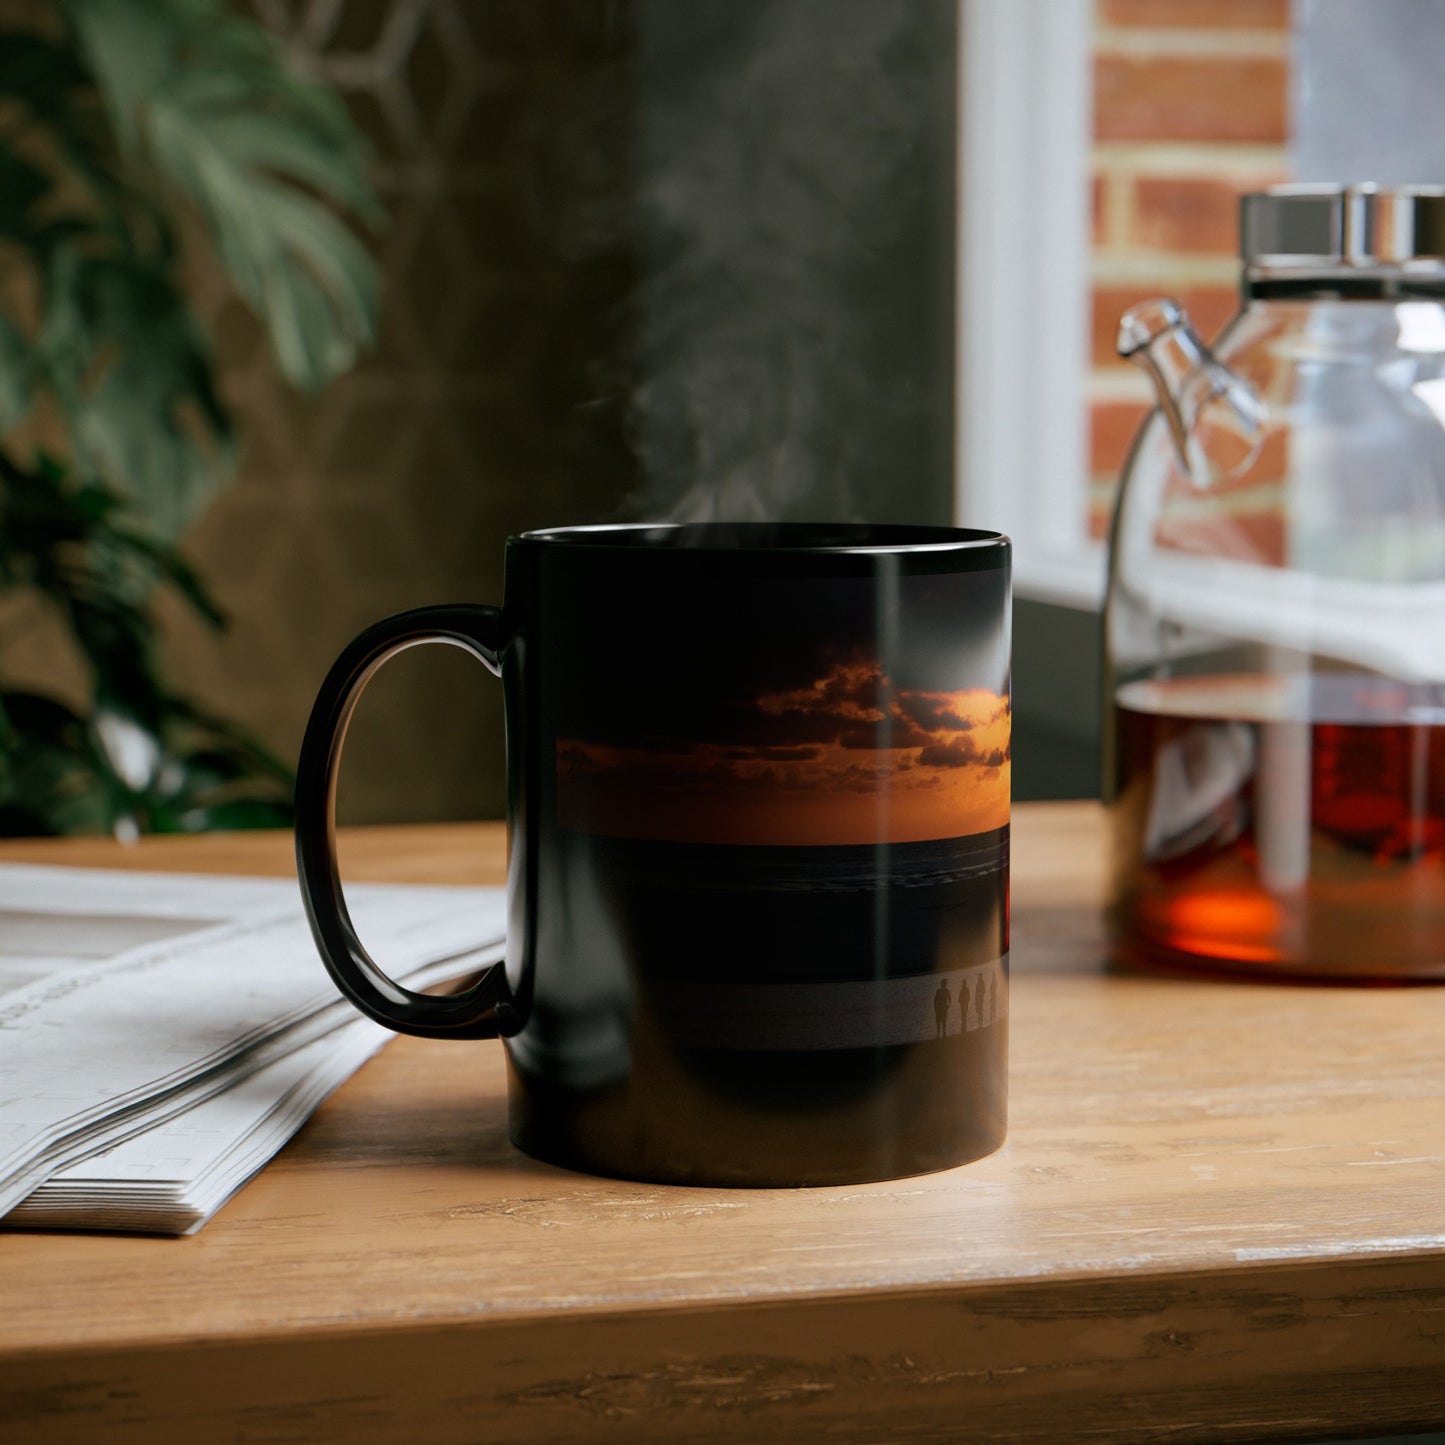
(121, 122)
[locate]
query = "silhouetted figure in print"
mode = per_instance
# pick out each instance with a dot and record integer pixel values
(941, 1002)
(982, 999)
(963, 1005)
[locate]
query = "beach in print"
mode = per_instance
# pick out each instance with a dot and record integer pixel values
(809, 948)
(875, 1013)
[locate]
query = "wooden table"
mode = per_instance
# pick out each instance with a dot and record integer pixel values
(1220, 1215)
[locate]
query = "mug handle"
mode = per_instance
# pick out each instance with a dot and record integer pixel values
(471, 1014)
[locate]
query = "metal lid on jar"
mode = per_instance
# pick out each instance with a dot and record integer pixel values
(1338, 229)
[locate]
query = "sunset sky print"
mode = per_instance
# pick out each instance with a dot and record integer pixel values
(801, 714)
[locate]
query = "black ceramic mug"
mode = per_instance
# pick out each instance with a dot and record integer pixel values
(758, 802)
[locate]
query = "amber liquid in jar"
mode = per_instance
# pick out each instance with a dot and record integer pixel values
(1292, 826)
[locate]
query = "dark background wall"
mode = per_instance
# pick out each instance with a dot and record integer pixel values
(794, 206)
(645, 258)
(1056, 722)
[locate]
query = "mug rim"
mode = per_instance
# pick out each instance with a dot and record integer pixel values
(770, 539)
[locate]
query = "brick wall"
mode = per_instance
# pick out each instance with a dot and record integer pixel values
(1190, 111)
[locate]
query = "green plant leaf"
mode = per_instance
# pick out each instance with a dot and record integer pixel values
(170, 566)
(311, 281)
(208, 102)
(15, 374)
(129, 48)
(53, 92)
(236, 742)
(48, 780)
(235, 813)
(21, 186)
(39, 74)
(125, 108)
(132, 374)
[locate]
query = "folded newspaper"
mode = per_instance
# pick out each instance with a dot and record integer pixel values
(162, 1035)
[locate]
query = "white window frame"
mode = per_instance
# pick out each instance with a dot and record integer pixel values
(1025, 137)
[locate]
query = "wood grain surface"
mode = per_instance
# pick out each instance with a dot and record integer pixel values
(1220, 1215)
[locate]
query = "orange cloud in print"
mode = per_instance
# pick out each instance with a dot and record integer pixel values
(846, 759)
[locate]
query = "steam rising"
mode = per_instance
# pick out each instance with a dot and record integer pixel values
(778, 156)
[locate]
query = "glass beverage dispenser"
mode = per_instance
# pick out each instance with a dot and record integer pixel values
(1275, 623)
